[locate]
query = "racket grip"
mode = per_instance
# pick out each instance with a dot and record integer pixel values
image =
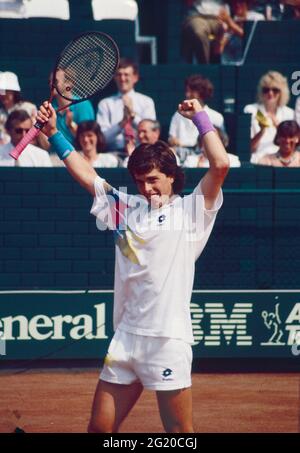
(31, 134)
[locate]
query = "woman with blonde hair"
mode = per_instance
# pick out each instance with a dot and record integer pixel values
(269, 111)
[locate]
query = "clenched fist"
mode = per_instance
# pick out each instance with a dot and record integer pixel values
(189, 107)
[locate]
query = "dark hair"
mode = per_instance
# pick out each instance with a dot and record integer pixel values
(287, 129)
(128, 63)
(16, 115)
(203, 86)
(160, 156)
(90, 126)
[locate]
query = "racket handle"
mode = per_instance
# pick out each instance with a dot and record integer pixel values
(31, 134)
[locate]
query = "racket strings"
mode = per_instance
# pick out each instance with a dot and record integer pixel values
(86, 66)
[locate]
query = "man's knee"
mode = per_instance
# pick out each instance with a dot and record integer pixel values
(180, 427)
(100, 427)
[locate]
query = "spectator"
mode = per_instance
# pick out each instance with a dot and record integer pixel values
(148, 131)
(69, 119)
(183, 134)
(203, 30)
(270, 110)
(200, 159)
(18, 123)
(119, 115)
(233, 40)
(10, 100)
(90, 140)
(287, 138)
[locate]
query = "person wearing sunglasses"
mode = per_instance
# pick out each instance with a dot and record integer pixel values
(17, 125)
(270, 110)
(11, 99)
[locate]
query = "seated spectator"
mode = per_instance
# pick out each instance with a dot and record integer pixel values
(90, 141)
(17, 125)
(148, 131)
(200, 160)
(119, 115)
(69, 119)
(203, 31)
(270, 110)
(233, 40)
(183, 134)
(10, 100)
(287, 138)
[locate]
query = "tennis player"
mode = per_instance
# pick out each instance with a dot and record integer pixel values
(159, 235)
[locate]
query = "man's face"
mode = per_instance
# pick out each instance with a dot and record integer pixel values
(146, 134)
(18, 130)
(156, 187)
(125, 79)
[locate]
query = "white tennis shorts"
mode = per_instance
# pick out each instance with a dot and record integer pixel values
(158, 363)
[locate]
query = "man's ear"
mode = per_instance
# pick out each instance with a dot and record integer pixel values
(136, 77)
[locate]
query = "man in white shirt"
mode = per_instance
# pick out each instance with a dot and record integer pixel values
(17, 125)
(183, 134)
(119, 115)
(158, 237)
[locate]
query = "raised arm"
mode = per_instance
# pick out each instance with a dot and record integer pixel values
(78, 167)
(214, 149)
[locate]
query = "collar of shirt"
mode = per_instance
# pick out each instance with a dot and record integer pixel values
(119, 95)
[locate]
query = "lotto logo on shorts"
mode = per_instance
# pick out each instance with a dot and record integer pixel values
(166, 374)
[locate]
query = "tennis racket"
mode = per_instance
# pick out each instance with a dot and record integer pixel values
(85, 66)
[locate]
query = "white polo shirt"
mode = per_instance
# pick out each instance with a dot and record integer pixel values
(32, 156)
(185, 130)
(156, 252)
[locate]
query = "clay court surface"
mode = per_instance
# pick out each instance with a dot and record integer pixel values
(59, 401)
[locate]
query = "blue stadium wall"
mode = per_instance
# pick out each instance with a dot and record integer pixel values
(48, 239)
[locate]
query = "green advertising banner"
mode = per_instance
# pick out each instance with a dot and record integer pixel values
(78, 324)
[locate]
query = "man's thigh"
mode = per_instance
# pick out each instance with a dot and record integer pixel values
(112, 403)
(175, 409)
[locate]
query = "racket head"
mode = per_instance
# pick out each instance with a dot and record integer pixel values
(85, 66)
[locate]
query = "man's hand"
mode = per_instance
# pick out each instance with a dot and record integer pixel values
(128, 106)
(188, 108)
(47, 115)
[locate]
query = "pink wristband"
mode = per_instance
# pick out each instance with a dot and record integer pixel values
(203, 123)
